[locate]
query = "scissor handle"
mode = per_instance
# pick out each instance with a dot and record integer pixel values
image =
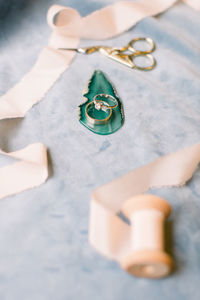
(149, 41)
(151, 65)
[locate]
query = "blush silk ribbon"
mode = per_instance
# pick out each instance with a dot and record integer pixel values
(68, 27)
(108, 233)
(28, 171)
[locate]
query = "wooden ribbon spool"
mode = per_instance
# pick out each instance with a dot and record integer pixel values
(147, 214)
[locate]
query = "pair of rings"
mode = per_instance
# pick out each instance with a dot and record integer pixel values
(100, 105)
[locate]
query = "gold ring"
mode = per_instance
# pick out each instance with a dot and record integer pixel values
(94, 120)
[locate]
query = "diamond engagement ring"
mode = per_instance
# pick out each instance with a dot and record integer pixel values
(103, 104)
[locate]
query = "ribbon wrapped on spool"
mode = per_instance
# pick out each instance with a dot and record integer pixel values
(147, 258)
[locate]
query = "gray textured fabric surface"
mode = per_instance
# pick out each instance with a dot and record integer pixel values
(44, 250)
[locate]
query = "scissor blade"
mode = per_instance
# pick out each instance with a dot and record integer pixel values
(79, 50)
(86, 50)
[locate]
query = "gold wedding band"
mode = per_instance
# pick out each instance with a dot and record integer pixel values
(95, 121)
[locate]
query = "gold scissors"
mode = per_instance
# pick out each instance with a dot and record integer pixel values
(124, 55)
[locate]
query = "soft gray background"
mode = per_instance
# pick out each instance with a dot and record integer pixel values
(44, 251)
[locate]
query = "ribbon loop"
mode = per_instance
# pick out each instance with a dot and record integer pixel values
(64, 20)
